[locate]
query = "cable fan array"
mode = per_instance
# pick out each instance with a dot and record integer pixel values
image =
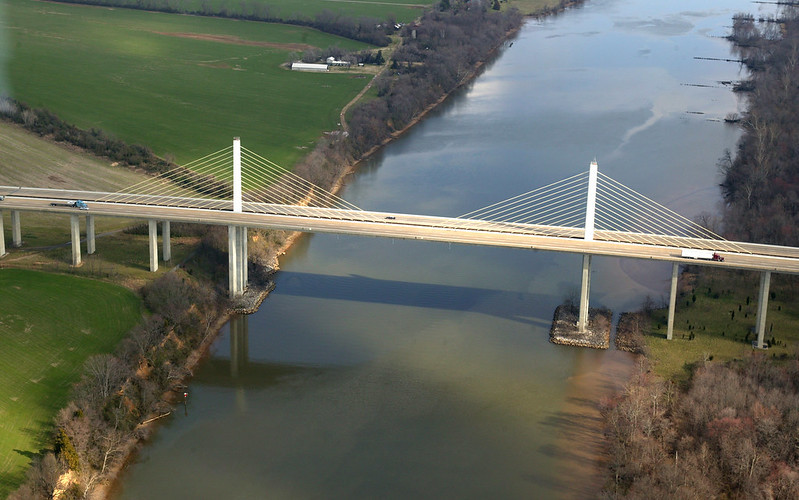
(621, 214)
(207, 183)
(557, 209)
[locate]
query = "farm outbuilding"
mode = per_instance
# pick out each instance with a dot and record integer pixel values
(299, 66)
(332, 61)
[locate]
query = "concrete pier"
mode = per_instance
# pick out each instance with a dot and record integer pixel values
(585, 290)
(75, 233)
(90, 248)
(16, 230)
(233, 262)
(237, 260)
(153, 245)
(762, 306)
(2, 237)
(675, 268)
(166, 243)
(243, 256)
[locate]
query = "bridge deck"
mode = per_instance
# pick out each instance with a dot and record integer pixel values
(406, 226)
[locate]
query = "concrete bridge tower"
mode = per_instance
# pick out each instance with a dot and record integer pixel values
(237, 235)
(590, 210)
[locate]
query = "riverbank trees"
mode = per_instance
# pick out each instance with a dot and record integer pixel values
(732, 433)
(760, 182)
(438, 53)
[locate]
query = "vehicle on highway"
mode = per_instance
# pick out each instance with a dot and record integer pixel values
(79, 204)
(692, 253)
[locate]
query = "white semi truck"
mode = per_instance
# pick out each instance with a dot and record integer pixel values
(693, 253)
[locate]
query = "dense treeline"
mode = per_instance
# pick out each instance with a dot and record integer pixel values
(437, 54)
(365, 29)
(117, 392)
(733, 433)
(761, 180)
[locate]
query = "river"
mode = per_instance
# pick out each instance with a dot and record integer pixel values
(403, 369)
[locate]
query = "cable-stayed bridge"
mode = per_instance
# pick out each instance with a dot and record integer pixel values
(588, 213)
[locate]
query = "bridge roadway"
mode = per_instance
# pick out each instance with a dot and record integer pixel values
(737, 255)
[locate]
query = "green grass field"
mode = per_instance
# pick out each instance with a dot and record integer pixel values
(182, 85)
(49, 325)
(720, 329)
(401, 10)
(532, 6)
(29, 160)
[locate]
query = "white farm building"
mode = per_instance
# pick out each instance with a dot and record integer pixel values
(332, 61)
(300, 66)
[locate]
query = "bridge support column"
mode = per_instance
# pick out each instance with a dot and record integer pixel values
(166, 240)
(675, 268)
(153, 245)
(90, 248)
(762, 306)
(243, 257)
(2, 236)
(233, 261)
(75, 232)
(585, 290)
(16, 230)
(237, 260)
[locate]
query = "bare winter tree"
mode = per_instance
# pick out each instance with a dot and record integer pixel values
(104, 373)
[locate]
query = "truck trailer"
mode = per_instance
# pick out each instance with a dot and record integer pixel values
(693, 253)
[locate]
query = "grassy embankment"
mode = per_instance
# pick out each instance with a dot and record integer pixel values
(49, 325)
(715, 320)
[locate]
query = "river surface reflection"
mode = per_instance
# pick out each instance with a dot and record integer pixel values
(401, 369)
